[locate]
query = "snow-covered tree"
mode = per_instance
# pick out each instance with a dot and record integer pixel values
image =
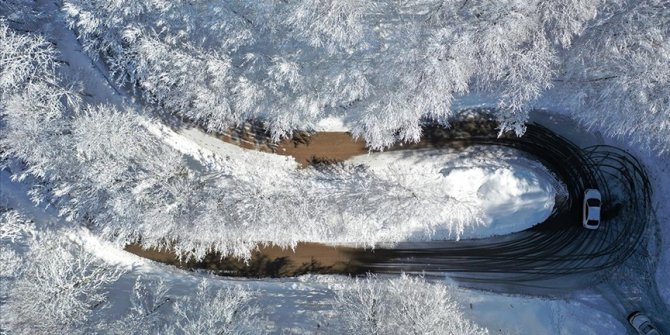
(617, 74)
(58, 288)
(155, 309)
(10, 263)
(220, 311)
(113, 155)
(35, 129)
(149, 313)
(387, 65)
(33, 104)
(13, 227)
(23, 58)
(404, 305)
(334, 25)
(15, 234)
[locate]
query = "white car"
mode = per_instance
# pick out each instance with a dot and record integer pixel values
(592, 202)
(642, 324)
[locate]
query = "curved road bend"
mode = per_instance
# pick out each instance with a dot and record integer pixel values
(558, 247)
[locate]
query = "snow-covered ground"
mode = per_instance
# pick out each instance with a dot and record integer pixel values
(332, 123)
(218, 155)
(512, 192)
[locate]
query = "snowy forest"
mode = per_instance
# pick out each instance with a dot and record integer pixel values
(85, 87)
(387, 65)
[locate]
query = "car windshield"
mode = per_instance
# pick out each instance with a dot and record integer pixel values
(646, 328)
(592, 222)
(593, 202)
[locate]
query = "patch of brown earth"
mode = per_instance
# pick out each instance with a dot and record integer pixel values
(321, 147)
(266, 261)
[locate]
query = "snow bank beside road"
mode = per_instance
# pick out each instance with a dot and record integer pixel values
(512, 192)
(216, 154)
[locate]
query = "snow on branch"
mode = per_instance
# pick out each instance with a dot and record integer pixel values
(405, 305)
(383, 65)
(59, 288)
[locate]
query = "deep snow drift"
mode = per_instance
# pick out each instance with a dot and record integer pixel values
(510, 191)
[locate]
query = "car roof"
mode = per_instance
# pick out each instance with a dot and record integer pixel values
(594, 213)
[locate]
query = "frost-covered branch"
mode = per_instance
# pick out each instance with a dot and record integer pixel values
(405, 305)
(385, 65)
(59, 288)
(222, 311)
